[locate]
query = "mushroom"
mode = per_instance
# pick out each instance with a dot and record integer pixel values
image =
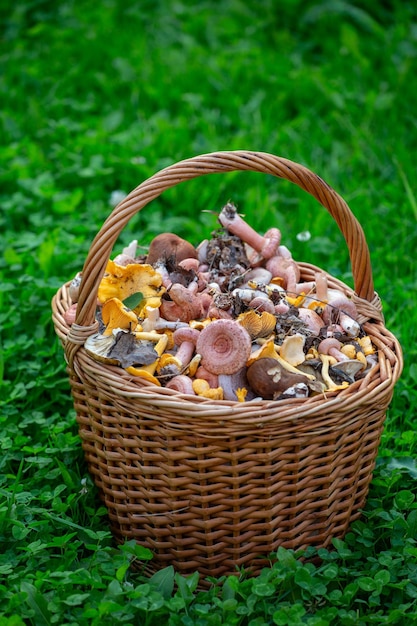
(334, 330)
(98, 346)
(313, 368)
(181, 383)
(267, 350)
(330, 384)
(266, 246)
(242, 394)
(331, 346)
(193, 365)
(233, 384)
(349, 350)
(185, 304)
(74, 288)
(202, 388)
(142, 373)
(291, 368)
(284, 252)
(261, 304)
(224, 346)
(123, 281)
(299, 390)
(347, 370)
(168, 366)
(362, 359)
(292, 349)
(162, 269)
(115, 315)
(287, 269)
(170, 245)
(311, 319)
(339, 309)
(70, 314)
(282, 307)
(305, 288)
(185, 339)
(296, 300)
(158, 350)
(259, 275)
(190, 264)
(247, 294)
(321, 287)
(212, 379)
(128, 254)
(202, 251)
(267, 378)
(366, 345)
(154, 321)
(257, 324)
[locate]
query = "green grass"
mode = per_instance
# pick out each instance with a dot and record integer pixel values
(95, 98)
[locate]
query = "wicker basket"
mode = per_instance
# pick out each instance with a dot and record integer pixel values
(215, 485)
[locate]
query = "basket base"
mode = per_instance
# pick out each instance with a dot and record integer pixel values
(217, 507)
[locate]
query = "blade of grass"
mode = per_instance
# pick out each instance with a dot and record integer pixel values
(408, 190)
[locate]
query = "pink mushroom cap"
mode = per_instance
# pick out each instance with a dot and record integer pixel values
(181, 383)
(332, 347)
(224, 345)
(311, 319)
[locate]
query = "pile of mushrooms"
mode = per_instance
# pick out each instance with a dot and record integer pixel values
(227, 320)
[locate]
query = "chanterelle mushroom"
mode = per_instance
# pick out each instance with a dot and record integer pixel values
(122, 281)
(292, 349)
(115, 315)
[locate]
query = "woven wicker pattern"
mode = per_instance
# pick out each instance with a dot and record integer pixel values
(212, 486)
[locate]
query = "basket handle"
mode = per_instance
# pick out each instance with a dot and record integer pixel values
(216, 162)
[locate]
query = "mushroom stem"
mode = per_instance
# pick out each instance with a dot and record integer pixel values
(128, 254)
(230, 383)
(291, 368)
(331, 385)
(154, 321)
(265, 245)
(321, 287)
(185, 339)
(331, 346)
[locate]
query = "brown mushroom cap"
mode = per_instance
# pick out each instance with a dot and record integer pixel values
(168, 245)
(268, 378)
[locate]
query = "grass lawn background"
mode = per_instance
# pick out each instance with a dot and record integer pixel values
(96, 97)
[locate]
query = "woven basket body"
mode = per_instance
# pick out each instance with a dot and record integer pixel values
(213, 486)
